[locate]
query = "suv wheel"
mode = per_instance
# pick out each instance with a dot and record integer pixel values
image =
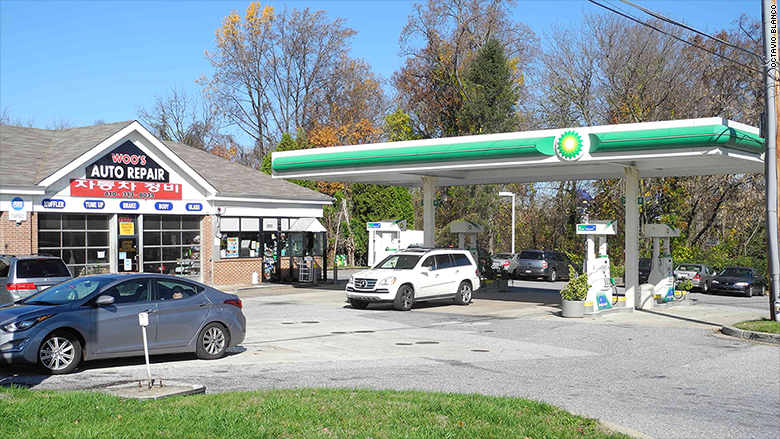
(358, 304)
(404, 298)
(59, 353)
(553, 276)
(463, 296)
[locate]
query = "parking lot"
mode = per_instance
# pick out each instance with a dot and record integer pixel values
(666, 373)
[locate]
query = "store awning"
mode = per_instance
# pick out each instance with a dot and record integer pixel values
(307, 225)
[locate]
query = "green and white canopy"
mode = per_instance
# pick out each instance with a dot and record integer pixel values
(680, 148)
(657, 149)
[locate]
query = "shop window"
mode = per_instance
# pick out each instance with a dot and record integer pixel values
(241, 238)
(172, 244)
(82, 241)
(319, 244)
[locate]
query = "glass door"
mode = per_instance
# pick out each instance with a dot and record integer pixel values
(127, 243)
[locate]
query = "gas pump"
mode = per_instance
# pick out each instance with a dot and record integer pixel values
(388, 236)
(467, 229)
(662, 267)
(596, 265)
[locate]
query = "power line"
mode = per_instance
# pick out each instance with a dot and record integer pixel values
(634, 19)
(685, 26)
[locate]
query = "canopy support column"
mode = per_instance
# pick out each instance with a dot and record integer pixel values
(632, 235)
(429, 212)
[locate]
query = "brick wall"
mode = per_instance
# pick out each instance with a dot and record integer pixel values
(19, 239)
(236, 271)
(206, 244)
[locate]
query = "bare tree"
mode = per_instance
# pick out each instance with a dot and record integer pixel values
(269, 69)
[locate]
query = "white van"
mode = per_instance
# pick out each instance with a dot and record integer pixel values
(416, 275)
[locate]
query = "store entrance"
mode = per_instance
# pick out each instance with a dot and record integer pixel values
(127, 243)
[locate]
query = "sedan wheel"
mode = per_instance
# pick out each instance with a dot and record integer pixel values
(749, 292)
(212, 342)
(463, 296)
(404, 298)
(59, 353)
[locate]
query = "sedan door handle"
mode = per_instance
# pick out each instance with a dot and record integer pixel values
(202, 304)
(151, 311)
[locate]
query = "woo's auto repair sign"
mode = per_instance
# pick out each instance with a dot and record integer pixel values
(127, 162)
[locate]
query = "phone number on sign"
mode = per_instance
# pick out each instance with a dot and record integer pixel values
(112, 194)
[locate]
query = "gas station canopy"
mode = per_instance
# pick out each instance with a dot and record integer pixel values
(678, 148)
(656, 149)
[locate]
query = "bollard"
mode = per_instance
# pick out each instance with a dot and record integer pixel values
(143, 320)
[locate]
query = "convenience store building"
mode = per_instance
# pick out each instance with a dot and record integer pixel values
(114, 198)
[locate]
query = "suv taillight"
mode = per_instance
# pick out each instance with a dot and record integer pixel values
(234, 302)
(506, 263)
(697, 276)
(544, 264)
(24, 286)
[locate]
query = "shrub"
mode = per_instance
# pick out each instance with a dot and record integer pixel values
(577, 288)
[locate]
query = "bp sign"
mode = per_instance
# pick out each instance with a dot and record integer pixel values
(570, 145)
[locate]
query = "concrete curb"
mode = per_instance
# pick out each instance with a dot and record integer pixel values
(762, 337)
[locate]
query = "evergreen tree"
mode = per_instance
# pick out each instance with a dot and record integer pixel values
(491, 95)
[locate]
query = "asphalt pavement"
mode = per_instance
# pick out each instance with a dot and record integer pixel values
(667, 373)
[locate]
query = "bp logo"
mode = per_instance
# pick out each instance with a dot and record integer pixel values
(570, 146)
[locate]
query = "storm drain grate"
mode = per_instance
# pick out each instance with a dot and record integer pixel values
(288, 323)
(404, 344)
(339, 332)
(426, 342)
(309, 321)
(364, 332)
(480, 350)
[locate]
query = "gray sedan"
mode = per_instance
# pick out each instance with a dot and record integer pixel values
(96, 317)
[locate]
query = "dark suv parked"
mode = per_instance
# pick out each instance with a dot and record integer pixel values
(22, 276)
(552, 265)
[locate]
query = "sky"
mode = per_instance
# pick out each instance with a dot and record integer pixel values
(101, 60)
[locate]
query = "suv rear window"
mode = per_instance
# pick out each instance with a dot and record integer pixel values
(28, 268)
(531, 254)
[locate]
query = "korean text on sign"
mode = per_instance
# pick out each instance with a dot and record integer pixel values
(83, 187)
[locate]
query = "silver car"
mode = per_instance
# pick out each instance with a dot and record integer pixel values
(96, 317)
(23, 276)
(700, 275)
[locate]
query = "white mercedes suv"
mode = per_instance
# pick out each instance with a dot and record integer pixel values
(416, 275)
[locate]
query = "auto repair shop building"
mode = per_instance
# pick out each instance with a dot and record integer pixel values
(114, 198)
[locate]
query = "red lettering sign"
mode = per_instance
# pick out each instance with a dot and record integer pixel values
(82, 187)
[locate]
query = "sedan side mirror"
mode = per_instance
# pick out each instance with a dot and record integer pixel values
(104, 300)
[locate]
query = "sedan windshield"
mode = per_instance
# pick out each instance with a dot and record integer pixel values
(66, 292)
(736, 272)
(399, 262)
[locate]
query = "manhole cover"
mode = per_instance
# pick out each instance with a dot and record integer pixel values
(364, 332)
(404, 344)
(480, 350)
(426, 342)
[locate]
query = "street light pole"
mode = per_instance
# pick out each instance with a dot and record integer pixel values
(511, 194)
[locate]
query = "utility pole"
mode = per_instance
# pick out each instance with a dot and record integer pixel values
(771, 158)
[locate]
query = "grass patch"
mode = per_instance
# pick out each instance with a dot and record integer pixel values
(301, 413)
(763, 325)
